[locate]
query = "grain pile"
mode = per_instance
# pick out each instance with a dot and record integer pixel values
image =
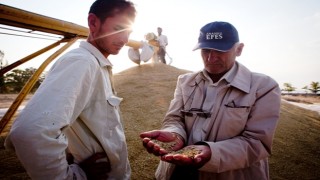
(147, 91)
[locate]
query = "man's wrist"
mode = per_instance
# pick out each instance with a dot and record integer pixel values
(178, 136)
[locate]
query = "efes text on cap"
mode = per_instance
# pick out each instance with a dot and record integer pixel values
(217, 35)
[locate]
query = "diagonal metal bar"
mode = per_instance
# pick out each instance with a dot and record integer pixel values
(29, 57)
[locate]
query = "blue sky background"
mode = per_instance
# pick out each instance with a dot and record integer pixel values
(281, 37)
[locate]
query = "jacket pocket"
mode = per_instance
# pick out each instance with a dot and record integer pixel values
(234, 120)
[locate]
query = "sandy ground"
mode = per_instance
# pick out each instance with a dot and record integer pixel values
(307, 102)
(147, 91)
(312, 107)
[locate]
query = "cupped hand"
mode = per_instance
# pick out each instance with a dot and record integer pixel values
(175, 141)
(193, 155)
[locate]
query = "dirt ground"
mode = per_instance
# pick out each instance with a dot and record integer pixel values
(147, 91)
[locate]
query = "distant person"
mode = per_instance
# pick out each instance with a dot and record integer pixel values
(76, 109)
(224, 116)
(163, 43)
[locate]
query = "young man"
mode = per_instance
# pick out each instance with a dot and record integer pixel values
(225, 114)
(75, 110)
(163, 42)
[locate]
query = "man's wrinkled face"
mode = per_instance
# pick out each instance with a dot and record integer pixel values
(217, 62)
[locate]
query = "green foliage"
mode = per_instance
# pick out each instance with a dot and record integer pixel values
(13, 81)
(288, 87)
(314, 87)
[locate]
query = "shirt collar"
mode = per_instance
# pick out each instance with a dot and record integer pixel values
(238, 76)
(96, 53)
(227, 76)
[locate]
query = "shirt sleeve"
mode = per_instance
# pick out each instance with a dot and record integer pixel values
(173, 120)
(37, 134)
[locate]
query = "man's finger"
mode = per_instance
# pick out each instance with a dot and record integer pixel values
(150, 134)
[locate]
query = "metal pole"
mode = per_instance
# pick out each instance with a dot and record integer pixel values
(27, 58)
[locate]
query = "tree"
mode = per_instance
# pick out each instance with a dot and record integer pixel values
(314, 87)
(306, 89)
(13, 81)
(1, 58)
(288, 87)
(17, 78)
(3, 63)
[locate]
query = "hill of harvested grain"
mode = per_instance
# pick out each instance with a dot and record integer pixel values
(147, 91)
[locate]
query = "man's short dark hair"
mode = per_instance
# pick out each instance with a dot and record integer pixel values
(108, 8)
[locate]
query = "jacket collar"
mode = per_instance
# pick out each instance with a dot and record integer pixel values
(96, 53)
(242, 78)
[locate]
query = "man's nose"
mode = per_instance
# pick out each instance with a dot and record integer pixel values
(125, 36)
(212, 55)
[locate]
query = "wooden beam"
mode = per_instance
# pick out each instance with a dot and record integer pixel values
(24, 19)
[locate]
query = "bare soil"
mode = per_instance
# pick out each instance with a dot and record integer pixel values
(147, 91)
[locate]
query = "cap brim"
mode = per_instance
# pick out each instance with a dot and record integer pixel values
(224, 47)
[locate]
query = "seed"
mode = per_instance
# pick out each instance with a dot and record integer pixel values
(187, 151)
(165, 145)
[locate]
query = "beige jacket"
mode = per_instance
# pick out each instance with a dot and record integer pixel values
(244, 108)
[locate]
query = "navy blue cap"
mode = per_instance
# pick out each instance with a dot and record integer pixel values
(217, 35)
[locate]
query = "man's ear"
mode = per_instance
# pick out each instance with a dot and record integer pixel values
(93, 22)
(239, 49)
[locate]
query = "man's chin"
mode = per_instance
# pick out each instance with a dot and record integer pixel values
(115, 52)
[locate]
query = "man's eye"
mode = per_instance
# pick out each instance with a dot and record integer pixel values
(118, 28)
(121, 29)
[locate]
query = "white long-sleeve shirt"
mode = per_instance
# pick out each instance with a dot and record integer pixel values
(74, 108)
(163, 40)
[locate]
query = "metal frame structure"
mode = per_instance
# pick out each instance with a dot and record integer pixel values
(24, 19)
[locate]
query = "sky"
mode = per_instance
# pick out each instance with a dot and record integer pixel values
(281, 37)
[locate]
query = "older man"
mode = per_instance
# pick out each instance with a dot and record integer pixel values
(222, 119)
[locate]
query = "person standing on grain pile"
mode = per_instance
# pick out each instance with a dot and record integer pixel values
(222, 120)
(75, 112)
(163, 43)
